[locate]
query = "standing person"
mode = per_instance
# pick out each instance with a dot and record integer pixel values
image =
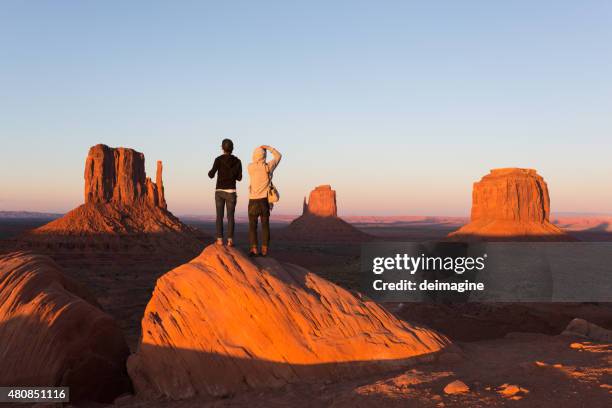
(260, 174)
(229, 170)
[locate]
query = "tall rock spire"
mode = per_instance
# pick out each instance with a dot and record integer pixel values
(161, 199)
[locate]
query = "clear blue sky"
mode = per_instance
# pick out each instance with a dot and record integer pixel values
(400, 105)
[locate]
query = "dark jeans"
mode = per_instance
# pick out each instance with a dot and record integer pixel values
(259, 209)
(222, 200)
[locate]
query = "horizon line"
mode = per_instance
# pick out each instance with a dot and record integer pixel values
(244, 214)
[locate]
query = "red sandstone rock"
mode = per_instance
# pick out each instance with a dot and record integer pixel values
(161, 200)
(118, 175)
(320, 222)
(456, 387)
(511, 203)
(321, 202)
(53, 334)
(92, 219)
(120, 201)
(511, 194)
(223, 323)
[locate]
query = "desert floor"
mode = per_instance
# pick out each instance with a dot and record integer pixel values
(508, 354)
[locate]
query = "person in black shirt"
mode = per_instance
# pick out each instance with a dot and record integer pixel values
(229, 170)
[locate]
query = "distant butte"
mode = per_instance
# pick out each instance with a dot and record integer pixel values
(319, 221)
(321, 202)
(123, 209)
(117, 175)
(511, 204)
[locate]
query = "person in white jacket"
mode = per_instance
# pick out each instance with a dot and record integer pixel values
(260, 174)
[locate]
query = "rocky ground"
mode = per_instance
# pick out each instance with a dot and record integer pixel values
(500, 369)
(519, 370)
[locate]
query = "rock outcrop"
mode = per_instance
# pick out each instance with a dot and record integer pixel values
(320, 222)
(582, 328)
(510, 204)
(123, 209)
(222, 323)
(117, 175)
(53, 334)
(321, 202)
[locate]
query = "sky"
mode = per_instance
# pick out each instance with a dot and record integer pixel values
(399, 105)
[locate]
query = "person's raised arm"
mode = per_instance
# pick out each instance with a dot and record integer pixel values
(214, 169)
(276, 157)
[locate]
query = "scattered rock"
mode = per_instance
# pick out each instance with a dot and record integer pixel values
(577, 346)
(508, 390)
(456, 387)
(223, 323)
(511, 391)
(511, 204)
(53, 334)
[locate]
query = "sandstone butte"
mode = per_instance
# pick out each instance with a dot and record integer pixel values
(320, 222)
(321, 202)
(510, 204)
(222, 323)
(53, 334)
(120, 201)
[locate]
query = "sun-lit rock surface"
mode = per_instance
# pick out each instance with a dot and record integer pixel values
(522, 370)
(123, 208)
(118, 175)
(321, 202)
(511, 203)
(223, 323)
(53, 334)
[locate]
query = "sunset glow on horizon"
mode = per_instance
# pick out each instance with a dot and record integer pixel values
(400, 108)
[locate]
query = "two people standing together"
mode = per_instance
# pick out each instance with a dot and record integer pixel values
(229, 170)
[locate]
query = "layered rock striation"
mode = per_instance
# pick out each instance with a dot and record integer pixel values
(117, 175)
(511, 204)
(53, 334)
(320, 222)
(222, 323)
